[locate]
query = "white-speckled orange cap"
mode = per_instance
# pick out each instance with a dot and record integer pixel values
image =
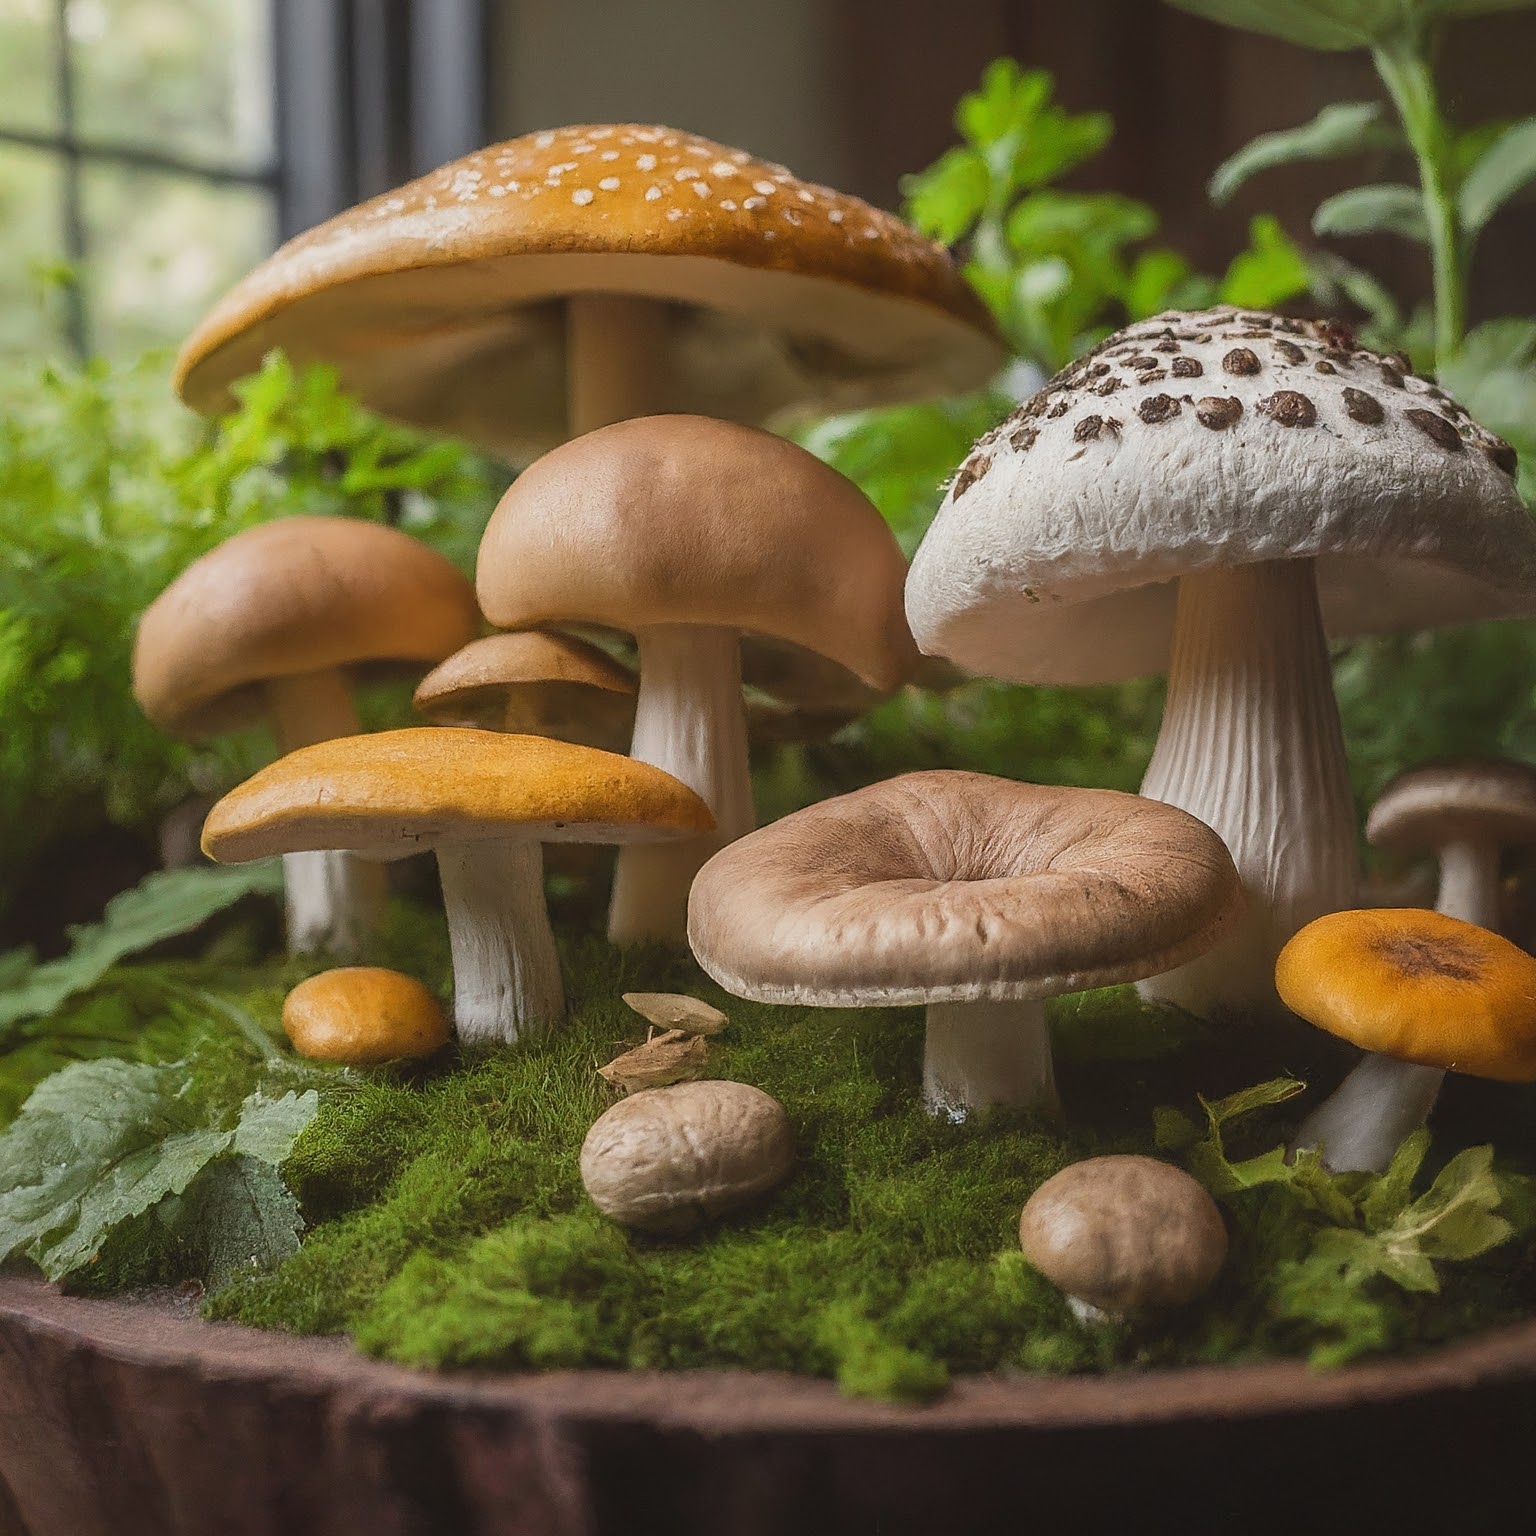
(439, 302)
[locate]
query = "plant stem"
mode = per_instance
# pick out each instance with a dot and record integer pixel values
(1405, 70)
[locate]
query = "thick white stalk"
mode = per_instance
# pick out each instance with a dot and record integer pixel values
(1251, 744)
(1469, 883)
(689, 720)
(506, 971)
(616, 351)
(983, 1053)
(334, 901)
(1366, 1118)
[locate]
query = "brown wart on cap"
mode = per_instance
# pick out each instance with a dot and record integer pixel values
(542, 287)
(1220, 541)
(687, 531)
(979, 897)
(268, 626)
(483, 802)
(359, 1015)
(1422, 993)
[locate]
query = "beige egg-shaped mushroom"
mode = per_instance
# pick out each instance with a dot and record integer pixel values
(360, 1015)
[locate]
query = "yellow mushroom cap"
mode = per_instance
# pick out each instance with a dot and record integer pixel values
(422, 787)
(1418, 986)
(360, 1014)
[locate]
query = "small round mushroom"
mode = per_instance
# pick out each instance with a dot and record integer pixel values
(1424, 994)
(1213, 494)
(533, 682)
(483, 802)
(1124, 1236)
(666, 1160)
(269, 626)
(361, 1014)
(979, 897)
(1465, 812)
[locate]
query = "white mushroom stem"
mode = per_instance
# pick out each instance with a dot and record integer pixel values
(334, 900)
(689, 720)
(978, 1054)
(1366, 1118)
(1251, 744)
(617, 346)
(506, 971)
(1469, 882)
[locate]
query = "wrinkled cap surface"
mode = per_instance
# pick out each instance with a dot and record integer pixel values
(298, 595)
(1418, 986)
(952, 886)
(1221, 438)
(1474, 799)
(439, 302)
(422, 787)
(688, 520)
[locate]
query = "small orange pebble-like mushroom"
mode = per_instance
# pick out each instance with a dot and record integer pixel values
(1424, 994)
(361, 1014)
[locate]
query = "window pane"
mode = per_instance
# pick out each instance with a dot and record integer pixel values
(31, 245)
(27, 96)
(190, 78)
(161, 249)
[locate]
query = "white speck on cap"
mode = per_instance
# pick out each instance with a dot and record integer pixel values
(609, 184)
(582, 196)
(646, 162)
(767, 188)
(652, 193)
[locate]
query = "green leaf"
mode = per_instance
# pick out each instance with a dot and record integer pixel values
(1388, 1195)
(1341, 128)
(1269, 273)
(1327, 25)
(1451, 1219)
(161, 906)
(236, 1218)
(945, 200)
(1275, 1090)
(1006, 103)
(1505, 168)
(268, 1128)
(1335, 282)
(1172, 1129)
(1383, 208)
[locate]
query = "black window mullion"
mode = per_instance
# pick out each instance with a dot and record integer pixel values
(316, 142)
(72, 210)
(450, 81)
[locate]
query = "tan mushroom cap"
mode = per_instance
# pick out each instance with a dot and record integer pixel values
(360, 1014)
(299, 595)
(1470, 798)
(1125, 1234)
(438, 301)
(687, 520)
(947, 886)
(423, 787)
(1417, 986)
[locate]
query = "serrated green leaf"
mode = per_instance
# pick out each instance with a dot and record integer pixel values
(1272, 1167)
(1387, 1195)
(1275, 1090)
(1406, 1266)
(945, 200)
(1465, 1232)
(268, 1127)
(1383, 208)
(1341, 128)
(236, 1218)
(1271, 272)
(1504, 169)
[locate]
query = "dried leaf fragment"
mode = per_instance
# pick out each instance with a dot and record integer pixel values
(674, 1057)
(676, 1010)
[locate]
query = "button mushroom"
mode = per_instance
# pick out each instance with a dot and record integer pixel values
(976, 896)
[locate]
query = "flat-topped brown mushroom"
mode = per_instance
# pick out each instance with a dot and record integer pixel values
(270, 627)
(538, 288)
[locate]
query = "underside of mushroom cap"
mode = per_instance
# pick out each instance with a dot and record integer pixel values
(439, 302)
(947, 886)
(1191, 441)
(1473, 798)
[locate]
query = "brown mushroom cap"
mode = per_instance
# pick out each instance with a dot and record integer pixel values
(299, 595)
(951, 886)
(1125, 1234)
(438, 301)
(423, 787)
(687, 520)
(1417, 986)
(1467, 799)
(360, 1014)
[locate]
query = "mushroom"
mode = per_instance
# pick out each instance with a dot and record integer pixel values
(1465, 812)
(362, 1014)
(1219, 487)
(533, 683)
(666, 1160)
(687, 531)
(268, 626)
(1423, 993)
(484, 802)
(979, 897)
(536, 289)
(1124, 1236)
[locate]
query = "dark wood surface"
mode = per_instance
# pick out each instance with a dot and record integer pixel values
(131, 1418)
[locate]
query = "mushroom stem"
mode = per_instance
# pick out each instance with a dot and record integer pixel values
(616, 353)
(1469, 882)
(1366, 1118)
(506, 971)
(334, 900)
(689, 720)
(1251, 744)
(976, 1054)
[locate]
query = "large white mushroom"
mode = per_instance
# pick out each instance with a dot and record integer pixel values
(1215, 493)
